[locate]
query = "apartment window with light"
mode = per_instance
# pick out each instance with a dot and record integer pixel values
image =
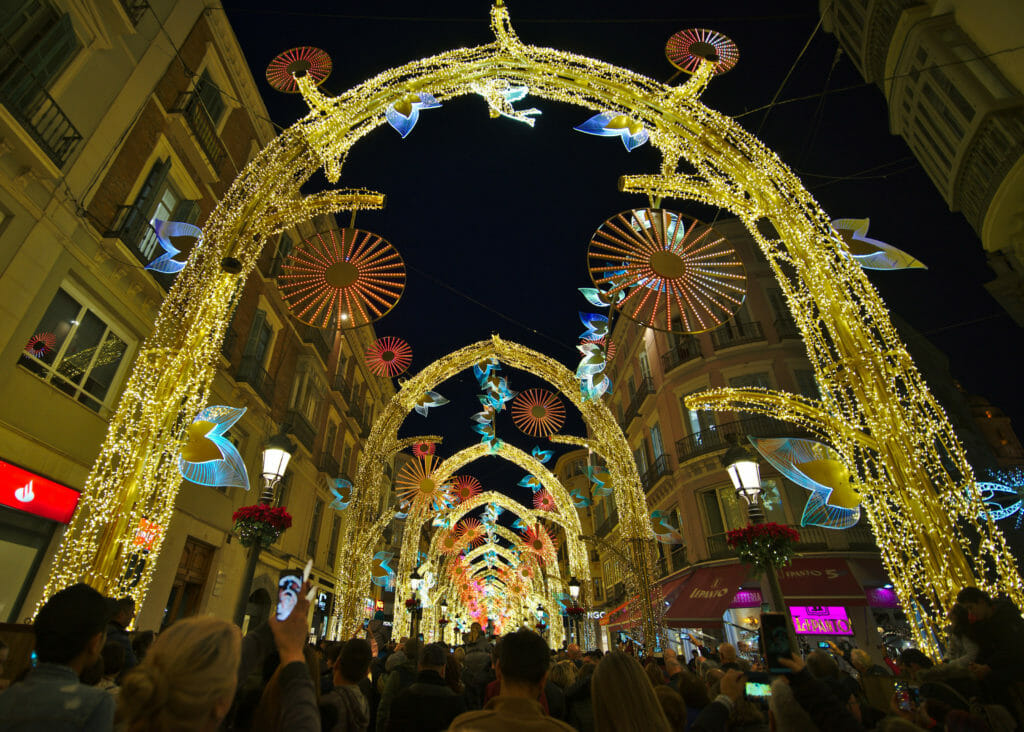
(314, 528)
(76, 350)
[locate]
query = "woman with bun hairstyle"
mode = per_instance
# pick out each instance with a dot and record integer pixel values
(187, 680)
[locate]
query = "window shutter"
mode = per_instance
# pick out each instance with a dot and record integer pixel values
(138, 215)
(210, 96)
(53, 51)
(251, 345)
(187, 212)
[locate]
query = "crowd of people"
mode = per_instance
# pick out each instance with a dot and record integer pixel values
(201, 674)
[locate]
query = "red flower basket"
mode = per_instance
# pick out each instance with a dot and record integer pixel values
(575, 611)
(412, 604)
(260, 523)
(761, 545)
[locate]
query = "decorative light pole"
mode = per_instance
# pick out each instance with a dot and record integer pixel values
(415, 582)
(276, 455)
(574, 593)
(443, 620)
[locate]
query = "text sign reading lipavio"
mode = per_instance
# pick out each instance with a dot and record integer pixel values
(31, 493)
(819, 620)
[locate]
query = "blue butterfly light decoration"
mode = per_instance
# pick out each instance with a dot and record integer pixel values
(207, 456)
(164, 230)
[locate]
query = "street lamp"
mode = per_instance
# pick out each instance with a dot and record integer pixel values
(574, 593)
(277, 453)
(574, 589)
(745, 474)
(415, 582)
(444, 616)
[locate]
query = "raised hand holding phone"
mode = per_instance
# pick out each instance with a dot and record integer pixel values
(290, 633)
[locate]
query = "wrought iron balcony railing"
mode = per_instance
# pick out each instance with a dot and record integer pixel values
(735, 333)
(250, 371)
(685, 349)
(37, 112)
(645, 389)
(717, 437)
(295, 423)
(191, 107)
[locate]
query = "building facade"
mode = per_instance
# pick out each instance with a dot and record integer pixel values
(112, 114)
(953, 79)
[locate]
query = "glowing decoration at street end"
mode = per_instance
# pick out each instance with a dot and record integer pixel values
(298, 62)
(500, 94)
(687, 49)
(422, 449)
(208, 457)
(538, 412)
(678, 274)
(41, 344)
(382, 573)
(543, 501)
(835, 500)
(342, 492)
(872, 253)
(428, 400)
(613, 124)
(343, 279)
(471, 531)
(465, 487)
(166, 262)
(665, 532)
(388, 357)
(416, 484)
(405, 113)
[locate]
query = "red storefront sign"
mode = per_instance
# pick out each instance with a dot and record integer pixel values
(31, 493)
(146, 534)
(813, 580)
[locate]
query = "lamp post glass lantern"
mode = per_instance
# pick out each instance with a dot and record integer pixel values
(745, 474)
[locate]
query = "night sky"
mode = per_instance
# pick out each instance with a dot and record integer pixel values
(493, 217)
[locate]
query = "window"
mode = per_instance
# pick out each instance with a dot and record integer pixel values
(656, 443)
(284, 248)
(332, 548)
(157, 198)
(78, 352)
(640, 456)
(645, 365)
(751, 380)
(778, 304)
(598, 591)
(210, 96)
(696, 421)
(346, 455)
(37, 44)
(259, 339)
(332, 435)
(314, 528)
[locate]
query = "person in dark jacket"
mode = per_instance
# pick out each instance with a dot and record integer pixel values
(345, 707)
(399, 677)
(579, 709)
(117, 630)
(477, 669)
(996, 626)
(429, 704)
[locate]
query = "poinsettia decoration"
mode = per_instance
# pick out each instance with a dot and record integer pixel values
(260, 523)
(574, 611)
(761, 545)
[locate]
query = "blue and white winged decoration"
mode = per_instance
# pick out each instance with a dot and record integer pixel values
(382, 573)
(665, 532)
(500, 95)
(207, 456)
(872, 253)
(405, 113)
(342, 492)
(428, 400)
(166, 262)
(612, 124)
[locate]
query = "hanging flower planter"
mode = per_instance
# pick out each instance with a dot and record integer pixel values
(762, 545)
(575, 611)
(541, 627)
(412, 604)
(260, 524)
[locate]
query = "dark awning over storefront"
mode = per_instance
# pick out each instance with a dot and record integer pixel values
(627, 613)
(820, 581)
(705, 595)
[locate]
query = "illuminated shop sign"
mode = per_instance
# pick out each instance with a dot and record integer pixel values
(31, 493)
(146, 534)
(820, 620)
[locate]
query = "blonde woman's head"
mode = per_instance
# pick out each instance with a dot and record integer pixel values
(563, 673)
(187, 679)
(623, 697)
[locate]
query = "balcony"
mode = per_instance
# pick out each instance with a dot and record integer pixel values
(812, 538)
(606, 526)
(645, 389)
(718, 437)
(295, 423)
(860, 537)
(190, 106)
(39, 115)
(736, 334)
(678, 557)
(660, 468)
(685, 349)
(318, 339)
(250, 371)
(329, 464)
(786, 328)
(718, 548)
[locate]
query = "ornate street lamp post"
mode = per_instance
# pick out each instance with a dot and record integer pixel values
(574, 593)
(415, 582)
(277, 453)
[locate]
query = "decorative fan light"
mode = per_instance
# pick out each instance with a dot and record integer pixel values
(388, 357)
(281, 72)
(422, 449)
(538, 540)
(471, 531)
(465, 487)
(342, 279)
(450, 543)
(416, 484)
(41, 344)
(677, 274)
(537, 412)
(688, 48)
(543, 501)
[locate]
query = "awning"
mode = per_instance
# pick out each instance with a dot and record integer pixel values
(627, 613)
(707, 594)
(815, 581)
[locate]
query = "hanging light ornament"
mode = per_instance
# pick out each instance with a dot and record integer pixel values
(41, 344)
(538, 540)
(296, 62)
(538, 412)
(465, 487)
(422, 449)
(677, 274)
(687, 49)
(416, 484)
(543, 501)
(451, 543)
(343, 279)
(388, 357)
(471, 531)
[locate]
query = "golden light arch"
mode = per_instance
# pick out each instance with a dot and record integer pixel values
(920, 497)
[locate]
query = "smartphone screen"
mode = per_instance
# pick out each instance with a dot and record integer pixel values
(775, 641)
(757, 690)
(905, 696)
(822, 644)
(289, 585)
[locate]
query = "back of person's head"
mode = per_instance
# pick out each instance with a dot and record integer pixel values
(822, 665)
(68, 622)
(654, 673)
(726, 652)
(412, 649)
(673, 706)
(623, 697)
(460, 655)
(860, 658)
(523, 657)
(141, 643)
(332, 652)
(973, 594)
(113, 659)
(563, 673)
(452, 674)
(433, 656)
(693, 691)
(187, 679)
(125, 606)
(914, 657)
(354, 660)
(959, 618)
(786, 712)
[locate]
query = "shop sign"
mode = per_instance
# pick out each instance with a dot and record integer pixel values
(595, 614)
(31, 493)
(820, 620)
(147, 534)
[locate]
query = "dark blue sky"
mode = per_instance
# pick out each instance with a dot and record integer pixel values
(501, 213)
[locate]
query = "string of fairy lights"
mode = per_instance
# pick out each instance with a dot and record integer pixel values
(875, 410)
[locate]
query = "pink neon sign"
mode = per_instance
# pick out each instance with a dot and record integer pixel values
(820, 620)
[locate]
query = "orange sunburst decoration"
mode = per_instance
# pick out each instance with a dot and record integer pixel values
(422, 449)
(388, 356)
(465, 487)
(343, 279)
(416, 484)
(543, 501)
(537, 412)
(538, 540)
(450, 543)
(471, 531)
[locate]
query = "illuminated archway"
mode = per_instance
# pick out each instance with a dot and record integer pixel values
(920, 495)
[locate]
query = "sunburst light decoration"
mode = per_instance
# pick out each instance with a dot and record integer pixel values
(543, 501)
(451, 543)
(416, 484)
(343, 279)
(471, 531)
(422, 449)
(465, 487)
(538, 540)
(41, 344)
(677, 274)
(388, 356)
(688, 48)
(538, 412)
(301, 61)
